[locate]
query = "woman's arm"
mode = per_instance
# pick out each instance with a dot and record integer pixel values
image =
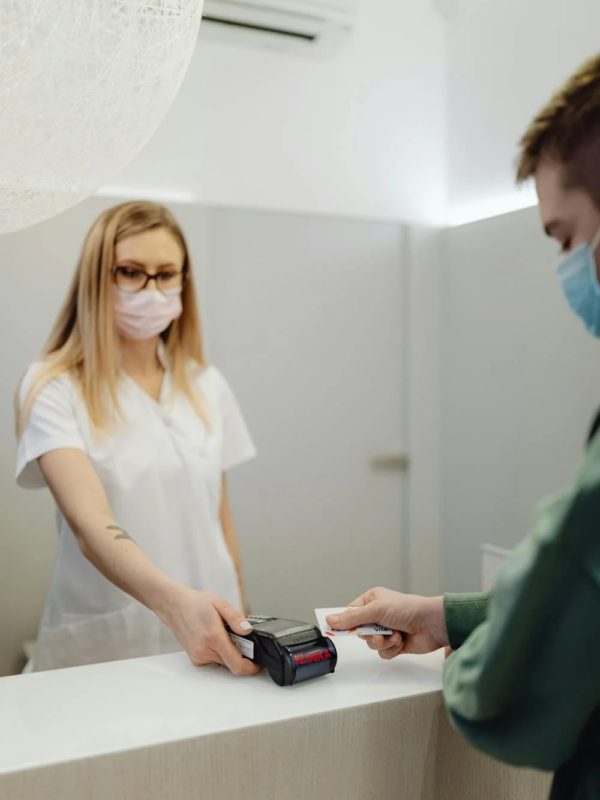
(196, 618)
(231, 539)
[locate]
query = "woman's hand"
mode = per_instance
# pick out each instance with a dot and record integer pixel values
(418, 622)
(196, 618)
(197, 621)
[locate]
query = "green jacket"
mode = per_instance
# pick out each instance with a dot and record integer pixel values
(524, 682)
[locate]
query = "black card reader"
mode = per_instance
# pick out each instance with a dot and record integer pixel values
(291, 652)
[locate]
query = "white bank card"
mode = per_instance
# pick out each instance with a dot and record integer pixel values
(362, 630)
(245, 646)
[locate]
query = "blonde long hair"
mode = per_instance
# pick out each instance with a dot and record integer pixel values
(84, 342)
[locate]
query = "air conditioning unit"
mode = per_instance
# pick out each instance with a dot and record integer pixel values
(310, 27)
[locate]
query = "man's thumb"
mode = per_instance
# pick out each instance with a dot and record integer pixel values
(352, 618)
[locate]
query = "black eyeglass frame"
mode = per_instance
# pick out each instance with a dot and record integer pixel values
(115, 269)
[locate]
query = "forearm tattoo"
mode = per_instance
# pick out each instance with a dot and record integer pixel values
(122, 534)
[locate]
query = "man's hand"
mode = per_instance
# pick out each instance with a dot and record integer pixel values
(197, 621)
(418, 622)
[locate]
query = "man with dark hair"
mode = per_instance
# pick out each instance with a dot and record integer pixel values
(523, 682)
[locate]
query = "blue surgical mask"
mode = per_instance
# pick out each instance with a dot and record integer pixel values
(579, 279)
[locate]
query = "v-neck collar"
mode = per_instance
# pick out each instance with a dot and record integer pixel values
(165, 387)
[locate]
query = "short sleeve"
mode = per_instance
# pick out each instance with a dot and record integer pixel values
(238, 446)
(52, 425)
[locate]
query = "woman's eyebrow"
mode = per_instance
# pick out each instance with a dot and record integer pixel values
(139, 264)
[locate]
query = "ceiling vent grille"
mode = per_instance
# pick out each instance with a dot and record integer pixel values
(313, 27)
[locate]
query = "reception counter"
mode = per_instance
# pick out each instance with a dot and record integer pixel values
(158, 728)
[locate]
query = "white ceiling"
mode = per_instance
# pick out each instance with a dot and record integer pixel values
(416, 120)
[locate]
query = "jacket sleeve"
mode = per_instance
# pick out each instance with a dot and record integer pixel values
(464, 613)
(525, 683)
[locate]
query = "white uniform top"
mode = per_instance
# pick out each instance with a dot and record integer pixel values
(162, 471)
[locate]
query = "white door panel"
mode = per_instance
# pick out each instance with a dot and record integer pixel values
(305, 320)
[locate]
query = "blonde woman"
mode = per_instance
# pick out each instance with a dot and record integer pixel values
(133, 434)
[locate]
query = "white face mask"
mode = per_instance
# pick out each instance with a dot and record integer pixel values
(146, 314)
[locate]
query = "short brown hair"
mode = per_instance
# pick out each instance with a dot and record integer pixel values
(568, 130)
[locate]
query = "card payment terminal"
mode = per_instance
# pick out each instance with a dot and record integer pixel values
(292, 652)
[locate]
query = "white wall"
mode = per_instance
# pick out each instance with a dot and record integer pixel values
(416, 120)
(306, 321)
(361, 134)
(520, 385)
(422, 340)
(519, 374)
(505, 59)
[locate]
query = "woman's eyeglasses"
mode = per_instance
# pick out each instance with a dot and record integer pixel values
(133, 279)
